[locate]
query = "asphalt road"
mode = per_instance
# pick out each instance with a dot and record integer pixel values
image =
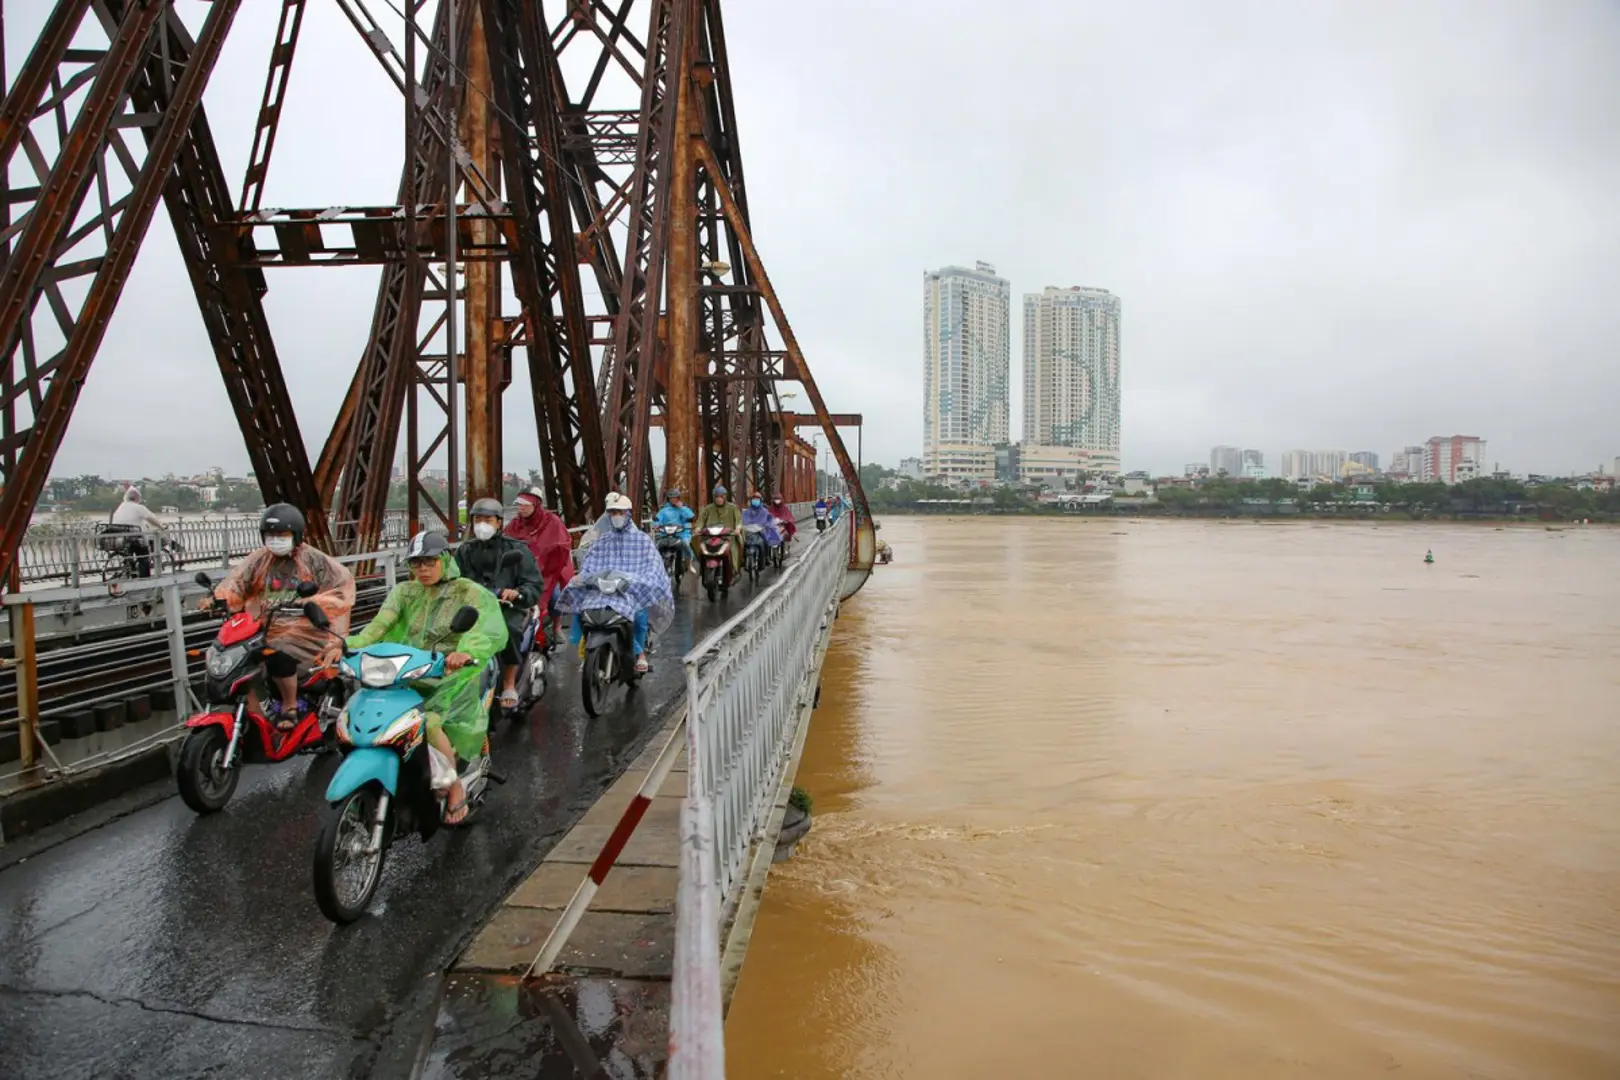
(160, 944)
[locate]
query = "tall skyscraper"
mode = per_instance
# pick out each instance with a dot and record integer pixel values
(1366, 458)
(1071, 375)
(1254, 464)
(1408, 462)
(1314, 464)
(967, 356)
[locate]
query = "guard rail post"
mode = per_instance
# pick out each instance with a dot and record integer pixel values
(26, 660)
(174, 623)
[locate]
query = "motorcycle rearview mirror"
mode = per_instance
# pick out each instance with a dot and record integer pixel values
(511, 560)
(314, 613)
(465, 619)
(307, 589)
(204, 580)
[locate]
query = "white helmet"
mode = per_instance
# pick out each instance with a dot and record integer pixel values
(616, 501)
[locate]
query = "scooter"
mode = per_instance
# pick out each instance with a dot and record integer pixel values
(534, 665)
(674, 550)
(608, 636)
(386, 786)
(779, 552)
(715, 546)
(754, 552)
(225, 736)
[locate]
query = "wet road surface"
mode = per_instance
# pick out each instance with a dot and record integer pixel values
(161, 944)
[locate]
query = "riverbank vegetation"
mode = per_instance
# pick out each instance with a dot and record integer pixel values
(1487, 498)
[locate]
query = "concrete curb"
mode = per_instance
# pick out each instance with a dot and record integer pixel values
(33, 809)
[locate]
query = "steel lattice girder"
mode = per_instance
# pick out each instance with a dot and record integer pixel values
(150, 76)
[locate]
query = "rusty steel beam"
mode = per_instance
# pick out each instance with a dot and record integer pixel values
(545, 270)
(483, 358)
(801, 370)
(47, 228)
(371, 235)
(44, 62)
(275, 92)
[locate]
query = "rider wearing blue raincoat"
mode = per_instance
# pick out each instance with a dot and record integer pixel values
(648, 602)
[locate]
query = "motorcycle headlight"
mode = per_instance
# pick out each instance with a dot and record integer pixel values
(416, 672)
(380, 672)
(402, 730)
(221, 662)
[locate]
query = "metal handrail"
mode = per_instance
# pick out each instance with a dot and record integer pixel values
(69, 551)
(746, 684)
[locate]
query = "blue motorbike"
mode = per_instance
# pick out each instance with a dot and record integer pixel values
(384, 787)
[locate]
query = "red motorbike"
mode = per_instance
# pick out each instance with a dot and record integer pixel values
(226, 736)
(714, 547)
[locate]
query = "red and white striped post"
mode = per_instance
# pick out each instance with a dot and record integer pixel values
(558, 938)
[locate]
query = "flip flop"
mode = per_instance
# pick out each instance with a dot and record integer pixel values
(453, 810)
(509, 699)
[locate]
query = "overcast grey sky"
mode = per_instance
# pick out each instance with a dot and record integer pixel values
(1333, 225)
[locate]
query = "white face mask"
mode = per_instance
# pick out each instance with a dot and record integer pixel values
(279, 545)
(483, 530)
(618, 521)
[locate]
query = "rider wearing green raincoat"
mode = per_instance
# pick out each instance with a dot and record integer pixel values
(416, 613)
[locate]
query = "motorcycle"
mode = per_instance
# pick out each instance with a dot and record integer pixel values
(779, 552)
(608, 635)
(226, 736)
(715, 547)
(674, 550)
(755, 552)
(821, 519)
(534, 664)
(386, 786)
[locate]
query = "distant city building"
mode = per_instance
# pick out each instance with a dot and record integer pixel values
(1007, 464)
(1366, 459)
(1053, 466)
(1254, 464)
(1195, 469)
(1407, 461)
(1451, 459)
(911, 468)
(1314, 464)
(1071, 378)
(1226, 459)
(967, 352)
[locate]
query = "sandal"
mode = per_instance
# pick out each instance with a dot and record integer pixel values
(509, 699)
(456, 813)
(641, 664)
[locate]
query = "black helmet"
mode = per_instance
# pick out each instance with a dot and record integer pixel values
(486, 508)
(427, 545)
(280, 518)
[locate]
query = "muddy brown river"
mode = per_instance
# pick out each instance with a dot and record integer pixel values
(1206, 800)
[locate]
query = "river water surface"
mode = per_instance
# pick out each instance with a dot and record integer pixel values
(1206, 800)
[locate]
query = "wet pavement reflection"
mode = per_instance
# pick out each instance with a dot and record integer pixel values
(497, 1026)
(163, 944)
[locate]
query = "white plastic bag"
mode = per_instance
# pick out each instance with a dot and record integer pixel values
(442, 769)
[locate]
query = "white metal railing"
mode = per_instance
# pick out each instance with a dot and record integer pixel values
(70, 551)
(746, 685)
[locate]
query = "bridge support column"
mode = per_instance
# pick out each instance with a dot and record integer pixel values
(681, 408)
(484, 361)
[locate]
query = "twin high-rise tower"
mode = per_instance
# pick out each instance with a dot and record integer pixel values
(1071, 377)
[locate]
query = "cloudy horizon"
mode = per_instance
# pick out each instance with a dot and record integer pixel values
(1331, 226)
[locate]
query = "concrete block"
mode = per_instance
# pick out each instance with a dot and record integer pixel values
(50, 731)
(162, 699)
(633, 946)
(648, 846)
(10, 746)
(662, 813)
(110, 717)
(139, 707)
(79, 724)
(634, 890)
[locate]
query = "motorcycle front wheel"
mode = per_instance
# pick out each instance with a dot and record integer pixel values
(347, 871)
(595, 678)
(711, 583)
(206, 783)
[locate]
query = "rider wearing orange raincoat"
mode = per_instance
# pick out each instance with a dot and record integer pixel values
(271, 576)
